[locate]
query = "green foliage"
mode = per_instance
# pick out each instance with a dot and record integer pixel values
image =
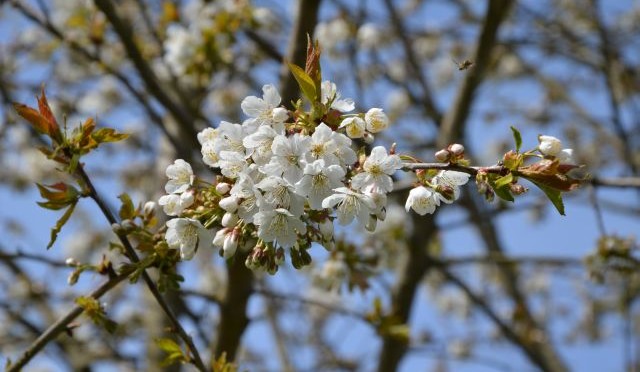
(96, 313)
(58, 196)
(305, 82)
(221, 364)
(175, 354)
(127, 210)
(517, 138)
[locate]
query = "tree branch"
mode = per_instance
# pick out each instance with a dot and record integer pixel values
(62, 324)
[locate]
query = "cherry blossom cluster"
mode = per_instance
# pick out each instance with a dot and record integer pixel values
(285, 176)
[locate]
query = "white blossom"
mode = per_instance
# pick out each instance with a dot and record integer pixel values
(180, 177)
(343, 151)
(377, 171)
(422, 200)
(279, 225)
(261, 110)
(566, 156)
(288, 154)
(350, 205)
(319, 181)
(278, 193)
(207, 135)
(183, 234)
(451, 180)
(232, 164)
(248, 196)
(354, 126)
(260, 143)
(549, 145)
(322, 145)
(329, 91)
(376, 120)
(230, 138)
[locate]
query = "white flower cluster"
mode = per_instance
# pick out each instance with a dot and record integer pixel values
(445, 188)
(283, 176)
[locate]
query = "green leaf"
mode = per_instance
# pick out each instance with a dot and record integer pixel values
(103, 135)
(127, 210)
(61, 222)
(305, 82)
(553, 194)
(517, 138)
(173, 350)
(95, 312)
(504, 181)
(502, 192)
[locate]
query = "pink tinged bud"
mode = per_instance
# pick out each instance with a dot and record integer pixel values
(443, 155)
(279, 114)
(218, 239)
(229, 219)
(368, 138)
(456, 149)
(223, 188)
(230, 244)
(326, 229)
(517, 189)
(229, 204)
(149, 207)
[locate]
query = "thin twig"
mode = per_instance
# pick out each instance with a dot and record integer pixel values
(62, 324)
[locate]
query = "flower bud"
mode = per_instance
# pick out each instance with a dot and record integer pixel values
(149, 208)
(368, 138)
(117, 228)
(326, 229)
(443, 155)
(456, 149)
(517, 189)
(128, 225)
(186, 199)
(218, 239)
(354, 126)
(371, 223)
(549, 145)
(376, 120)
(279, 114)
(229, 204)
(229, 219)
(223, 188)
(71, 262)
(230, 244)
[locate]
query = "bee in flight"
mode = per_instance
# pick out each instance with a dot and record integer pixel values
(464, 65)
